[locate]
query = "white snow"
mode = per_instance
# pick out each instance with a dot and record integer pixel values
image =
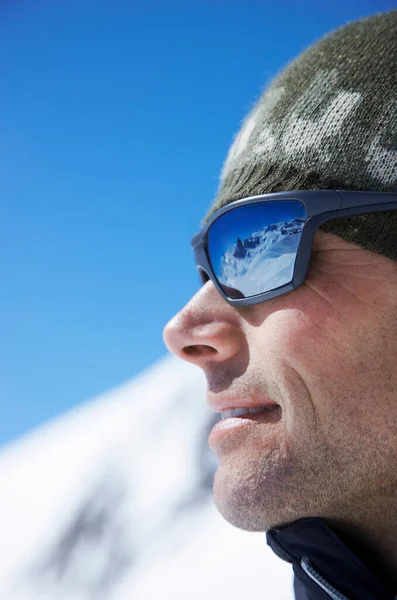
(113, 501)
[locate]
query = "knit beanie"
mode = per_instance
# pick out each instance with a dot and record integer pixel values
(328, 121)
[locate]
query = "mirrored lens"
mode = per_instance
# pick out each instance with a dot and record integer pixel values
(252, 249)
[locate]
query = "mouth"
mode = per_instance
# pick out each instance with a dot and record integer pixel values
(246, 412)
(237, 423)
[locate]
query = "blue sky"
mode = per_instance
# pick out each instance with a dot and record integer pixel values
(116, 119)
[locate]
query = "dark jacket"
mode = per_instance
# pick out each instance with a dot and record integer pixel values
(326, 566)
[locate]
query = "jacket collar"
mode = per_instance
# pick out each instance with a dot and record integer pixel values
(313, 539)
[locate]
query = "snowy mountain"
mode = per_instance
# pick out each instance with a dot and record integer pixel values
(113, 501)
(264, 259)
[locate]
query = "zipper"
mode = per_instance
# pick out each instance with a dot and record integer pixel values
(321, 582)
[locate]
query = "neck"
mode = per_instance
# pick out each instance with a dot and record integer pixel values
(374, 541)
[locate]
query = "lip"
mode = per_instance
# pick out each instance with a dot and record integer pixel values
(218, 404)
(234, 428)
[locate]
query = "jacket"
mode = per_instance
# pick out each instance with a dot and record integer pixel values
(325, 566)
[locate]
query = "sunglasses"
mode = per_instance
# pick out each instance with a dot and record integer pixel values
(259, 248)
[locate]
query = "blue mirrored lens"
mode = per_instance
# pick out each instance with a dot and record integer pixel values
(252, 248)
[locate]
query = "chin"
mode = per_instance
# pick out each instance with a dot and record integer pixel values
(248, 520)
(254, 503)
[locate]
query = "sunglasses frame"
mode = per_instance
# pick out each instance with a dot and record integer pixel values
(320, 206)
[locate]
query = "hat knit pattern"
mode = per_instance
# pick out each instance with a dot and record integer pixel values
(328, 121)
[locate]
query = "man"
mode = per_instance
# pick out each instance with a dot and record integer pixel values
(297, 317)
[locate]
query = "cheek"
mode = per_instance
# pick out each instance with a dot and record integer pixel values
(311, 346)
(326, 360)
(299, 337)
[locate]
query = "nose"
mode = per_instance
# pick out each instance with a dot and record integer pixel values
(206, 330)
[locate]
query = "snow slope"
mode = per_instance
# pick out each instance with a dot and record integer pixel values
(113, 501)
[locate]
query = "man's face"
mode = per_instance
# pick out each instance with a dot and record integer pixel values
(326, 354)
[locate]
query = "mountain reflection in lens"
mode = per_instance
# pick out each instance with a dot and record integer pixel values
(253, 248)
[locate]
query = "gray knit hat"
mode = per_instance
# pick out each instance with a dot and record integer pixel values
(328, 121)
